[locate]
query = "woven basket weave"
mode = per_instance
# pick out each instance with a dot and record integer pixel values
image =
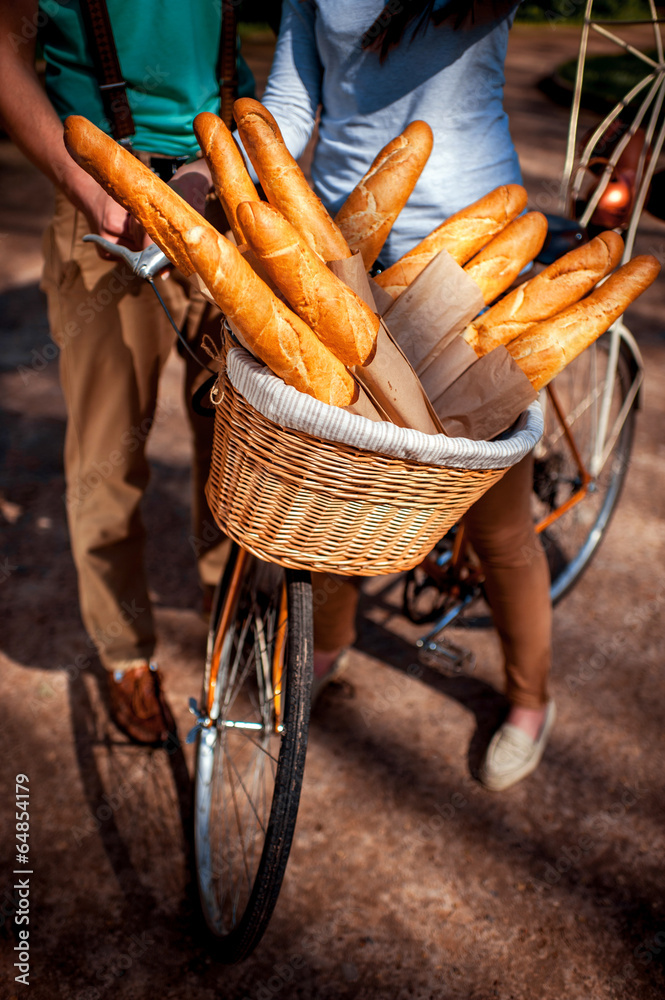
(309, 503)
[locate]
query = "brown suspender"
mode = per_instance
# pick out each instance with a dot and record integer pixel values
(228, 63)
(107, 67)
(114, 89)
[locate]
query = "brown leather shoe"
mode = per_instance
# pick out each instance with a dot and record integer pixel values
(138, 706)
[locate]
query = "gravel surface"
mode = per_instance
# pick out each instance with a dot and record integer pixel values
(406, 879)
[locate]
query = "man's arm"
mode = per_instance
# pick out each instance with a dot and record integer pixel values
(32, 123)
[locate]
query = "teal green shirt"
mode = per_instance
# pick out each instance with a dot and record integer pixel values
(168, 53)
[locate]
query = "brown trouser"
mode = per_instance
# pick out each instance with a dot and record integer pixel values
(114, 341)
(500, 528)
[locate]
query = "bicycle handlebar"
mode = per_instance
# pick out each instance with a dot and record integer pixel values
(146, 264)
(143, 263)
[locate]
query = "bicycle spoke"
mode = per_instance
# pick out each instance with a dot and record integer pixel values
(239, 829)
(233, 684)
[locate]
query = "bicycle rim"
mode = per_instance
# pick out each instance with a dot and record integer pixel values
(250, 761)
(573, 539)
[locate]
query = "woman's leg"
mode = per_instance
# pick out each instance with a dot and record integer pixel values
(517, 584)
(334, 601)
(501, 529)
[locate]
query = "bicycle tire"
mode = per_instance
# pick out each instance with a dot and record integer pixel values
(573, 540)
(240, 869)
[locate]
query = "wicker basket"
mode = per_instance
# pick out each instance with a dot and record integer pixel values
(299, 500)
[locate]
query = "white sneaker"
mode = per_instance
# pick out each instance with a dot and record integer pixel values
(512, 755)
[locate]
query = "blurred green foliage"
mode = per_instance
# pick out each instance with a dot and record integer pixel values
(544, 11)
(607, 78)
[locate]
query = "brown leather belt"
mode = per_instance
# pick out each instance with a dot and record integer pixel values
(163, 166)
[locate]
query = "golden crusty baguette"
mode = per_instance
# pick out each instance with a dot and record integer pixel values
(560, 285)
(368, 214)
(462, 235)
(164, 215)
(283, 181)
(274, 333)
(546, 348)
(233, 185)
(498, 264)
(339, 317)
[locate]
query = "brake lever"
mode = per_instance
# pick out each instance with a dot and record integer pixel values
(143, 263)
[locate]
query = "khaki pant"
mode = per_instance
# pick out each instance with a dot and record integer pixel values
(517, 582)
(114, 341)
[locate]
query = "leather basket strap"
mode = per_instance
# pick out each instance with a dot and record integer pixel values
(107, 66)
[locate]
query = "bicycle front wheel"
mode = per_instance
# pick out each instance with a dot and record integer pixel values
(565, 456)
(251, 754)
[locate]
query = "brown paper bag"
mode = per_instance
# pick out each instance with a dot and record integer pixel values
(366, 406)
(447, 366)
(486, 399)
(438, 304)
(473, 398)
(388, 376)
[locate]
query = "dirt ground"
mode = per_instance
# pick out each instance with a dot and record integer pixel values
(406, 879)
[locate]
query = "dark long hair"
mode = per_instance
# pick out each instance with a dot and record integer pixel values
(390, 26)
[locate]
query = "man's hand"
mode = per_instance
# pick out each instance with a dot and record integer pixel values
(110, 220)
(193, 183)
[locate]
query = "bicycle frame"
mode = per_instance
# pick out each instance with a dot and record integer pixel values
(604, 436)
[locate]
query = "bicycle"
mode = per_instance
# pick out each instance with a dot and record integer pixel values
(252, 718)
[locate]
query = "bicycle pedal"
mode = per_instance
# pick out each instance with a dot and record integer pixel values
(446, 657)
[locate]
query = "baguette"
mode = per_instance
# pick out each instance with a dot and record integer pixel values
(546, 348)
(339, 317)
(560, 285)
(462, 235)
(368, 214)
(233, 185)
(275, 334)
(498, 264)
(164, 215)
(283, 181)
